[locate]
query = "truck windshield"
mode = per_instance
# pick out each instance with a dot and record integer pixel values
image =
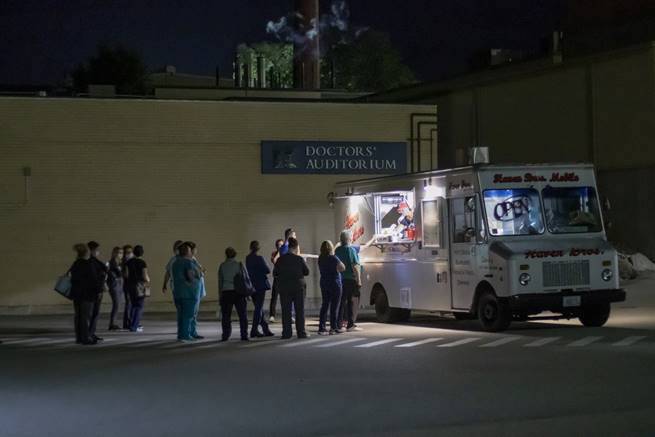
(513, 212)
(571, 210)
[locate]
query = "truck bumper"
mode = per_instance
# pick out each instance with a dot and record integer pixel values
(554, 302)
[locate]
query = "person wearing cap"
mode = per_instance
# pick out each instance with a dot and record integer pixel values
(101, 270)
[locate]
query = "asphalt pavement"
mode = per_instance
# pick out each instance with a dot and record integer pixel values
(431, 376)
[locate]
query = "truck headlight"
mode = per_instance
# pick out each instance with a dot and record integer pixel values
(525, 279)
(607, 275)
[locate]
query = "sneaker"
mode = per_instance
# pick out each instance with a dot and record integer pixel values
(333, 332)
(271, 319)
(114, 328)
(139, 329)
(97, 339)
(268, 334)
(339, 331)
(303, 336)
(245, 339)
(323, 332)
(198, 337)
(354, 328)
(256, 334)
(184, 340)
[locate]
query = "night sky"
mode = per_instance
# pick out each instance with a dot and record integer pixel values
(43, 39)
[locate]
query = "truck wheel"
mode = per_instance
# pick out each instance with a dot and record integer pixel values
(494, 315)
(385, 314)
(595, 315)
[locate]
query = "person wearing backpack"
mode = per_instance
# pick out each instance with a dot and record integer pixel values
(228, 296)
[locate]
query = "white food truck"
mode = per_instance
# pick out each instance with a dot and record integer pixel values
(496, 243)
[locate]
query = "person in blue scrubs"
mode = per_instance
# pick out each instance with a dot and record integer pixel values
(203, 291)
(186, 292)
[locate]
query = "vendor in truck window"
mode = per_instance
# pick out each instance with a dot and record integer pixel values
(571, 210)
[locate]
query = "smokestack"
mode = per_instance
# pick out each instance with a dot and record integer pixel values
(261, 73)
(237, 71)
(306, 50)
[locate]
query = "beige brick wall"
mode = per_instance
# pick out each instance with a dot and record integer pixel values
(150, 172)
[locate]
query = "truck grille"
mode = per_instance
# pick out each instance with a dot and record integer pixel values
(566, 273)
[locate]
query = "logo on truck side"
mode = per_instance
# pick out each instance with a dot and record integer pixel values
(560, 253)
(529, 177)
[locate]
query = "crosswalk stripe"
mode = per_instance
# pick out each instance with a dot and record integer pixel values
(584, 341)
(629, 340)
(25, 340)
(379, 342)
(542, 342)
(501, 342)
(420, 342)
(459, 342)
(302, 342)
(340, 342)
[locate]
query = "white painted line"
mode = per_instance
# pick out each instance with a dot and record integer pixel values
(629, 340)
(379, 342)
(303, 342)
(584, 341)
(340, 342)
(420, 342)
(542, 342)
(501, 341)
(28, 340)
(459, 342)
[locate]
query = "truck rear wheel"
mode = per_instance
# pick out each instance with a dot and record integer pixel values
(595, 315)
(385, 314)
(494, 315)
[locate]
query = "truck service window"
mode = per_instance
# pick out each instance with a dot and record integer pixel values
(513, 212)
(571, 210)
(395, 217)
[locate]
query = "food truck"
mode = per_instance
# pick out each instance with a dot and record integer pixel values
(499, 243)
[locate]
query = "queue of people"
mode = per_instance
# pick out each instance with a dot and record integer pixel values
(125, 277)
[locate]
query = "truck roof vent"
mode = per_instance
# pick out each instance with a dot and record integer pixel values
(479, 155)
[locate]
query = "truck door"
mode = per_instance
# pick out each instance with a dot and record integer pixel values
(462, 227)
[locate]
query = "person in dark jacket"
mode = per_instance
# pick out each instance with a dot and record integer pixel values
(290, 271)
(128, 254)
(115, 284)
(331, 268)
(101, 270)
(136, 278)
(274, 256)
(258, 271)
(83, 283)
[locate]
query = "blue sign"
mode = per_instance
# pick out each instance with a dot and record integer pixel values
(334, 157)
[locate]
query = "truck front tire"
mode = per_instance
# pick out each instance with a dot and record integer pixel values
(494, 314)
(595, 315)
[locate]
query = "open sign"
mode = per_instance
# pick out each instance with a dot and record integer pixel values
(512, 208)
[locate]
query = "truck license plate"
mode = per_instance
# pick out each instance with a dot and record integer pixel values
(571, 301)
